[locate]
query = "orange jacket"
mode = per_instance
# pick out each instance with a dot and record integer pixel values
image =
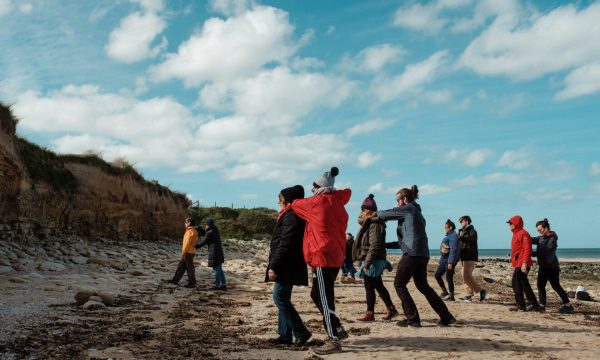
(325, 232)
(189, 240)
(521, 244)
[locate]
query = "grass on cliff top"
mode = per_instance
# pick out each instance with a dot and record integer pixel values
(241, 224)
(8, 121)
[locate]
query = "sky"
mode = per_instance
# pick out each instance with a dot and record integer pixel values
(490, 107)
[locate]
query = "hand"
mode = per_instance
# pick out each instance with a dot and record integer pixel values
(524, 268)
(272, 275)
(365, 269)
(450, 266)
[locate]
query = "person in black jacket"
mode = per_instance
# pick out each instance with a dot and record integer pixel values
(549, 266)
(286, 267)
(469, 255)
(216, 257)
(348, 270)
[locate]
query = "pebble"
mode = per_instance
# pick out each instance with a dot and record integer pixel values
(79, 260)
(93, 305)
(19, 267)
(51, 266)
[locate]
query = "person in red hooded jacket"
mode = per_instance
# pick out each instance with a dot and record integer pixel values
(324, 249)
(520, 255)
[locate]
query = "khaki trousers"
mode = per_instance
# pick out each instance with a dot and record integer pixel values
(471, 286)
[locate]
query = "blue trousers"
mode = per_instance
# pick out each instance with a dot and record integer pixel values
(288, 320)
(219, 276)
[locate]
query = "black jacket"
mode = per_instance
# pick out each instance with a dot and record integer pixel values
(215, 247)
(286, 258)
(349, 246)
(546, 249)
(468, 244)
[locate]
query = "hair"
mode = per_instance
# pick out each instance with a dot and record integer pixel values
(350, 234)
(465, 217)
(410, 195)
(192, 221)
(315, 185)
(450, 224)
(544, 223)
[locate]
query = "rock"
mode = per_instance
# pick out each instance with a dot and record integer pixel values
(6, 269)
(4, 262)
(83, 295)
(93, 305)
(118, 265)
(98, 261)
(19, 267)
(51, 266)
(136, 273)
(79, 260)
(19, 280)
(95, 298)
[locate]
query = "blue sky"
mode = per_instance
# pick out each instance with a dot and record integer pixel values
(490, 107)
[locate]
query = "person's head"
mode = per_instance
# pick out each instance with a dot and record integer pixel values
(406, 196)
(190, 222)
(464, 221)
(209, 222)
(349, 236)
(449, 226)
(515, 223)
(543, 226)
(288, 195)
(368, 207)
(326, 180)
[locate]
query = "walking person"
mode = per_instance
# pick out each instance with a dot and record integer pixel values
(469, 255)
(348, 270)
(369, 249)
(549, 268)
(188, 251)
(216, 257)
(413, 263)
(286, 267)
(324, 249)
(520, 255)
(449, 254)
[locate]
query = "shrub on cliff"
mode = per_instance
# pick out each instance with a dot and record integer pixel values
(238, 223)
(8, 122)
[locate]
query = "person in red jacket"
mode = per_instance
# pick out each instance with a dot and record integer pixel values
(324, 249)
(520, 255)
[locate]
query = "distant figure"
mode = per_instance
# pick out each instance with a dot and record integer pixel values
(348, 269)
(188, 251)
(520, 255)
(469, 255)
(413, 263)
(324, 249)
(216, 257)
(449, 254)
(369, 249)
(286, 267)
(549, 268)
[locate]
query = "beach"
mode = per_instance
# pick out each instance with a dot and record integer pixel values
(147, 318)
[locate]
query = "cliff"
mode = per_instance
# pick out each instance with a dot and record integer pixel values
(44, 194)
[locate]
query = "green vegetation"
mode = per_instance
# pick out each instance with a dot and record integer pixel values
(242, 224)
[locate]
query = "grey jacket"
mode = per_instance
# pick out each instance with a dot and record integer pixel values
(411, 228)
(369, 244)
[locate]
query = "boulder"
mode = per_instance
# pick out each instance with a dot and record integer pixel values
(83, 295)
(93, 305)
(79, 260)
(19, 267)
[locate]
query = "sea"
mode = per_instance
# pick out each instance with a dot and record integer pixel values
(577, 253)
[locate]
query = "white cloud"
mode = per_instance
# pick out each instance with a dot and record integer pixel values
(150, 5)
(546, 195)
(432, 189)
(373, 58)
(582, 81)
(248, 196)
(231, 7)
(595, 169)
(226, 50)
(516, 159)
(367, 159)
(368, 127)
(470, 180)
(424, 18)
(5, 7)
(470, 158)
(26, 8)
(412, 80)
(133, 40)
(504, 178)
(375, 188)
(504, 12)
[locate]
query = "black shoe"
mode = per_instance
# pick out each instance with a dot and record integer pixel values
(191, 286)
(447, 322)
(301, 340)
(219, 288)
(444, 294)
(536, 308)
(341, 333)
(169, 281)
(517, 308)
(280, 340)
(408, 323)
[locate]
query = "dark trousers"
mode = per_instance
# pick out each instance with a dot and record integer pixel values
(186, 264)
(288, 319)
(416, 267)
(324, 298)
(520, 285)
(443, 268)
(552, 274)
(348, 268)
(372, 284)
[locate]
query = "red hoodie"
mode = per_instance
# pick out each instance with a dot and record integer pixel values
(521, 244)
(325, 232)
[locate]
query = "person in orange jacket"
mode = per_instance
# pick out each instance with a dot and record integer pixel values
(520, 254)
(188, 251)
(324, 249)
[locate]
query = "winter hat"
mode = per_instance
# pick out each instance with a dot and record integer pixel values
(292, 193)
(328, 178)
(209, 222)
(369, 203)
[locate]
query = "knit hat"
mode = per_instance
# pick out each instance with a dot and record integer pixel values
(209, 222)
(369, 203)
(292, 193)
(328, 178)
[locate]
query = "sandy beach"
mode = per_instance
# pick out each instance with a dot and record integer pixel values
(149, 319)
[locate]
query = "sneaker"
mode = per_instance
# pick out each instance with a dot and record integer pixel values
(449, 297)
(566, 309)
(483, 294)
(408, 323)
(302, 339)
(341, 333)
(219, 288)
(447, 322)
(330, 347)
(466, 298)
(280, 341)
(536, 308)
(517, 308)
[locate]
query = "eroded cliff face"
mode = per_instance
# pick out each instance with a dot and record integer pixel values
(43, 194)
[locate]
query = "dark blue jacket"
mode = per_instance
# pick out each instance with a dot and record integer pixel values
(546, 249)
(411, 228)
(451, 240)
(215, 247)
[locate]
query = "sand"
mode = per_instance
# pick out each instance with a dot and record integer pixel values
(155, 320)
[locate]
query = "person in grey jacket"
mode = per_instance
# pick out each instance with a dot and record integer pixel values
(369, 249)
(549, 266)
(413, 263)
(449, 253)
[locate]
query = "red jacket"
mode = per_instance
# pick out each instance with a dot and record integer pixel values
(521, 244)
(325, 232)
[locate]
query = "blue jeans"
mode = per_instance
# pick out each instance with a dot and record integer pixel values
(348, 268)
(219, 276)
(288, 320)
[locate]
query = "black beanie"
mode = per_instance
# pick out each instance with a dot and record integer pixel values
(292, 193)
